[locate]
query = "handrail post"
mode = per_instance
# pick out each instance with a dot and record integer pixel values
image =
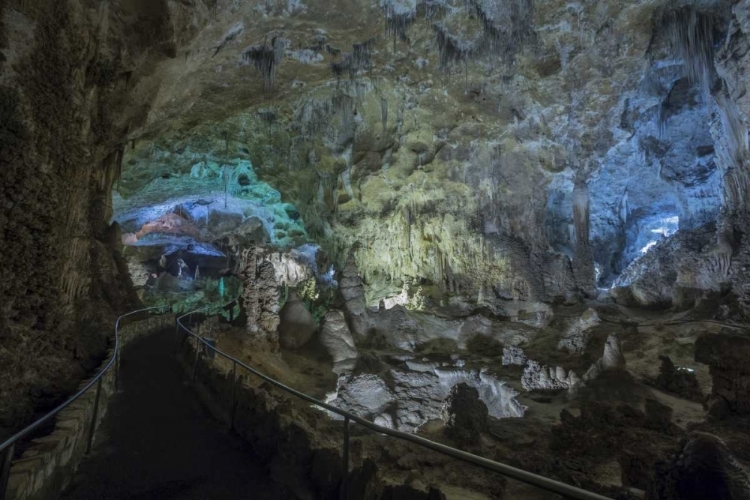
(197, 355)
(6, 461)
(345, 479)
(117, 370)
(234, 395)
(176, 333)
(94, 414)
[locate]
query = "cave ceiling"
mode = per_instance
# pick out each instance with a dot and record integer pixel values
(437, 140)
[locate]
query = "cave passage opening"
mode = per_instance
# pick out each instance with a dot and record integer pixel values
(186, 230)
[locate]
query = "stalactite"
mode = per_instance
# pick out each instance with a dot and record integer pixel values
(691, 36)
(118, 171)
(266, 59)
(359, 59)
(581, 212)
(384, 112)
(397, 21)
(452, 48)
(506, 27)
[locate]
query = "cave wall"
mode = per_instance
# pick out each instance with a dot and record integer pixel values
(71, 86)
(438, 156)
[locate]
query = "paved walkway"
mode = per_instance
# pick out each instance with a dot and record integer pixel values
(157, 442)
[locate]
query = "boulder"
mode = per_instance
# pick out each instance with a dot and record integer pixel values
(297, 324)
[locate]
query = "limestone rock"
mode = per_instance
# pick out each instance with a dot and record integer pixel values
(728, 357)
(465, 415)
(338, 341)
(366, 395)
(297, 325)
(260, 298)
(415, 395)
(704, 469)
(536, 376)
(576, 337)
(612, 359)
(678, 381)
(352, 291)
(514, 356)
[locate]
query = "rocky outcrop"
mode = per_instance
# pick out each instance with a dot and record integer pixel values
(577, 336)
(514, 356)
(604, 432)
(415, 395)
(612, 359)
(728, 356)
(705, 468)
(297, 325)
(338, 341)
(465, 415)
(682, 382)
(536, 376)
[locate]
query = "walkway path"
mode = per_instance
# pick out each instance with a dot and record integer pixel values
(157, 442)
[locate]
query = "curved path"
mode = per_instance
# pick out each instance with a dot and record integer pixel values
(157, 442)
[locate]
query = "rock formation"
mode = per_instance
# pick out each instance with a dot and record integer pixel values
(514, 356)
(260, 297)
(704, 469)
(577, 336)
(612, 359)
(678, 381)
(351, 290)
(536, 376)
(297, 325)
(728, 356)
(415, 394)
(465, 415)
(338, 341)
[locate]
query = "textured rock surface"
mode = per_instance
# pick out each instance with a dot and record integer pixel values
(338, 341)
(465, 415)
(296, 324)
(68, 71)
(514, 356)
(480, 161)
(576, 337)
(536, 376)
(580, 146)
(260, 297)
(605, 432)
(612, 359)
(679, 381)
(728, 357)
(415, 395)
(352, 291)
(705, 469)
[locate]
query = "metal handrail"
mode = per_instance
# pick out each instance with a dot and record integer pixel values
(521, 475)
(7, 448)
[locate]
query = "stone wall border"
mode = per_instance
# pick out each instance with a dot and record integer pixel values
(46, 468)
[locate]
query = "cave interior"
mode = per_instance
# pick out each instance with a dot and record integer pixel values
(517, 227)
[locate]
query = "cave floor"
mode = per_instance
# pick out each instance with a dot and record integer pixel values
(159, 442)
